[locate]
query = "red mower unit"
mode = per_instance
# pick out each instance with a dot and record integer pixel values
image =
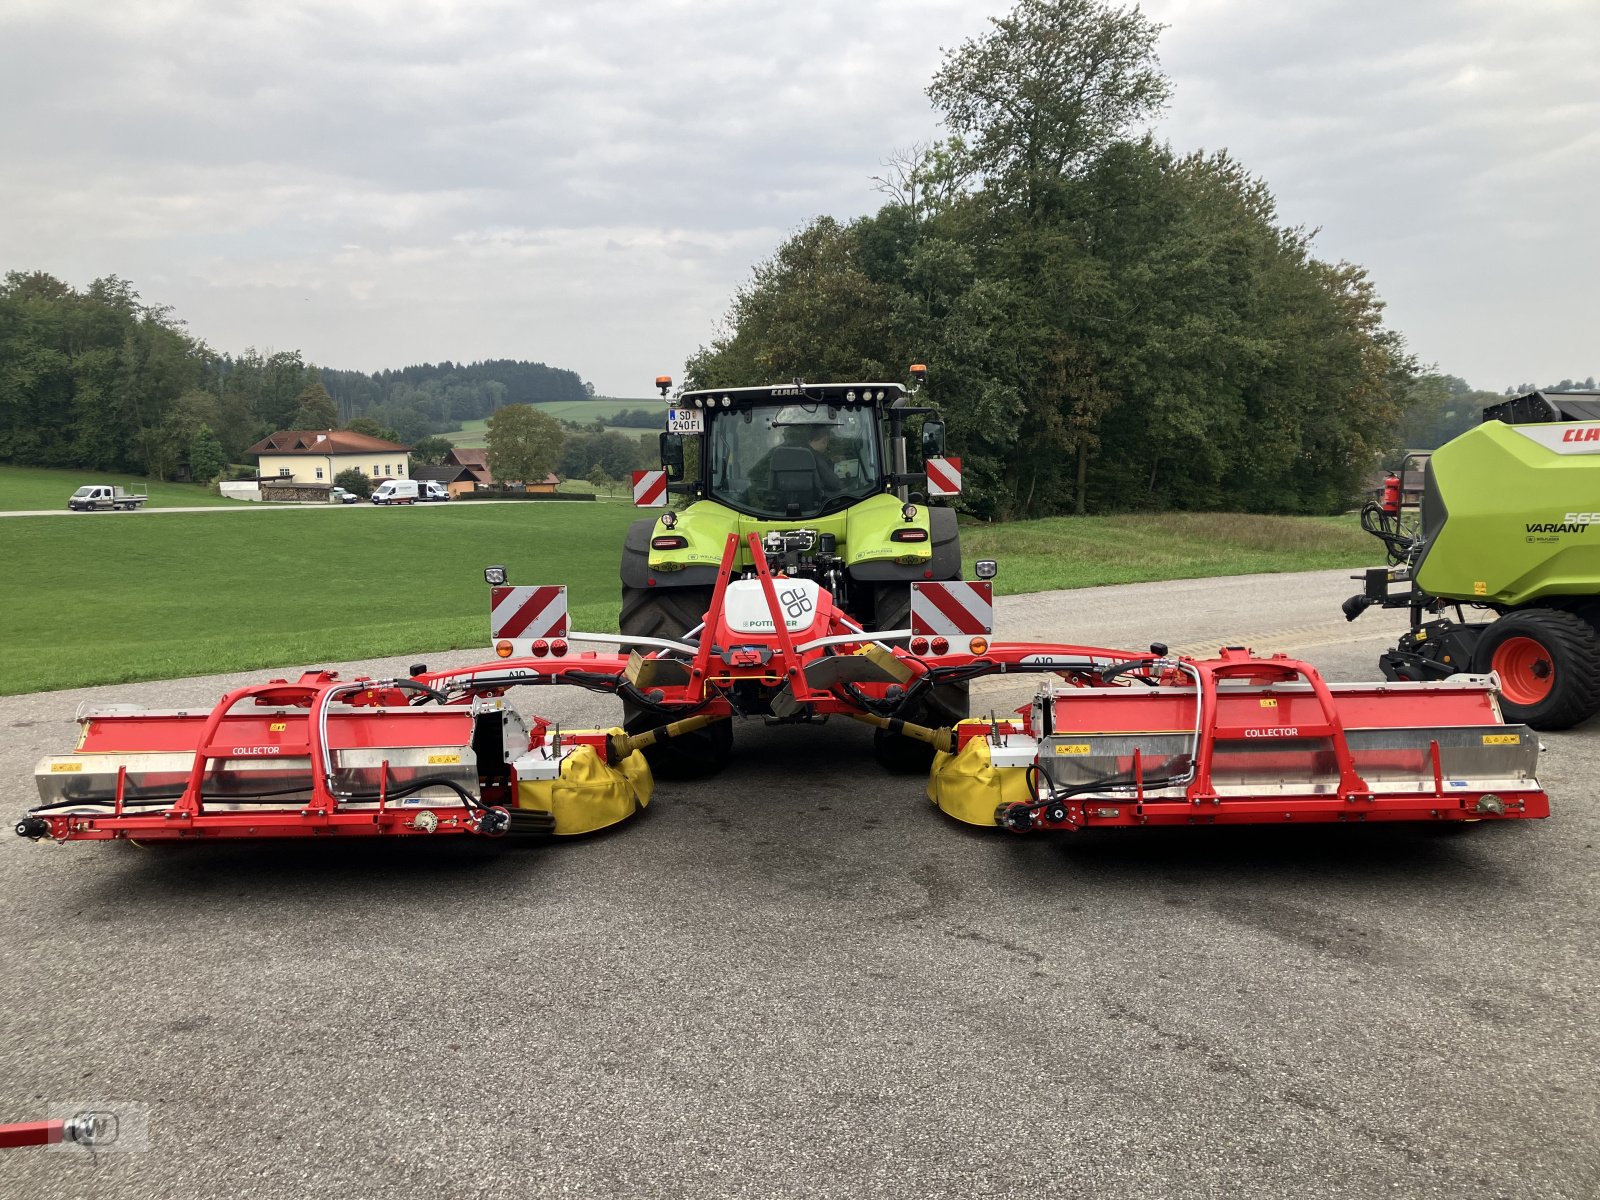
(1111, 738)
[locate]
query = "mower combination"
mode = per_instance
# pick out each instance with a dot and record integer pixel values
(782, 595)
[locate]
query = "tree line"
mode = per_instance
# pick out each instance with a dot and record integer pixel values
(1109, 324)
(100, 380)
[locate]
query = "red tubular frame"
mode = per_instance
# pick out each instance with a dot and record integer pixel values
(322, 816)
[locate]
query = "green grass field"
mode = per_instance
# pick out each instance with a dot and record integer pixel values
(1070, 552)
(86, 601)
(23, 488)
(104, 601)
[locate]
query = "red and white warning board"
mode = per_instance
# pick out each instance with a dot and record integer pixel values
(955, 609)
(521, 614)
(944, 476)
(649, 489)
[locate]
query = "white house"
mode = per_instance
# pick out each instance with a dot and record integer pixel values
(316, 456)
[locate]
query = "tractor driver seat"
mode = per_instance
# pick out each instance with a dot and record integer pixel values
(793, 482)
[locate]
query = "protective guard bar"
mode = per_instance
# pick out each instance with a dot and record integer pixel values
(323, 815)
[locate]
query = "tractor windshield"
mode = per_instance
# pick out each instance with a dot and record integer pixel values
(793, 462)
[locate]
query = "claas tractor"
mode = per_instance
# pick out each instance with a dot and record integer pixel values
(805, 580)
(1500, 567)
(819, 472)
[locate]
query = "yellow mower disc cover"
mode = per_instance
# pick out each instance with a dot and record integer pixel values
(968, 786)
(589, 794)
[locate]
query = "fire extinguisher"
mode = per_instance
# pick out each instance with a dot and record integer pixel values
(1391, 496)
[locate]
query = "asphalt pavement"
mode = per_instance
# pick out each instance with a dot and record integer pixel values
(800, 979)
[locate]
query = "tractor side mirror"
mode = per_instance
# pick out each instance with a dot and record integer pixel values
(672, 455)
(932, 438)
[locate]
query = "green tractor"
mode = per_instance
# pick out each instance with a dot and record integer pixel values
(820, 472)
(1509, 525)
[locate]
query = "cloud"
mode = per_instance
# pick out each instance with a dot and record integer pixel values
(380, 183)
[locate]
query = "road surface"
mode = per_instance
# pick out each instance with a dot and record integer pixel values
(799, 979)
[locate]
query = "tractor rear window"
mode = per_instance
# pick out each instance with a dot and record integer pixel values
(796, 461)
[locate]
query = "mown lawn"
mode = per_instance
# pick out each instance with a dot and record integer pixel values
(1070, 552)
(85, 600)
(23, 488)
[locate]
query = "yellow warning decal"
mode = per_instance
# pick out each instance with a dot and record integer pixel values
(1073, 748)
(435, 760)
(278, 726)
(66, 766)
(1269, 702)
(1480, 588)
(1502, 739)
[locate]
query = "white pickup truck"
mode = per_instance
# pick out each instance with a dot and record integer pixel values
(101, 495)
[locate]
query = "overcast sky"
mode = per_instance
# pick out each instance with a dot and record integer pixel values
(396, 181)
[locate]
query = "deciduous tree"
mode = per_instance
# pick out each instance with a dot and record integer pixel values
(524, 444)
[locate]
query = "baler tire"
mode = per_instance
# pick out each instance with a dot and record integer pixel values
(1564, 646)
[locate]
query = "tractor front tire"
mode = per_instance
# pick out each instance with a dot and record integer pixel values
(670, 613)
(938, 706)
(1549, 666)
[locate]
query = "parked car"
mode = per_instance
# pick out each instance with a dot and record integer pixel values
(340, 495)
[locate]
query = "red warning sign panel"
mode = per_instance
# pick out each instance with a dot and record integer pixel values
(527, 612)
(944, 476)
(956, 609)
(650, 489)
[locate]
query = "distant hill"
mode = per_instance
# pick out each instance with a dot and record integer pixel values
(439, 397)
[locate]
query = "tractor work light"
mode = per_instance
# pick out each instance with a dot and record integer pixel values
(727, 402)
(669, 520)
(494, 576)
(986, 568)
(908, 513)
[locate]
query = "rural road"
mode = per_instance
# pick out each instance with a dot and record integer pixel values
(242, 506)
(799, 979)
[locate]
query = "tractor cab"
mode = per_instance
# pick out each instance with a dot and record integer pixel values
(791, 452)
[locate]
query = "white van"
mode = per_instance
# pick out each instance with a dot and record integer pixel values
(396, 491)
(429, 489)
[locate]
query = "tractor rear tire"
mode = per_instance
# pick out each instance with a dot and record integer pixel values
(662, 612)
(670, 613)
(1549, 666)
(943, 704)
